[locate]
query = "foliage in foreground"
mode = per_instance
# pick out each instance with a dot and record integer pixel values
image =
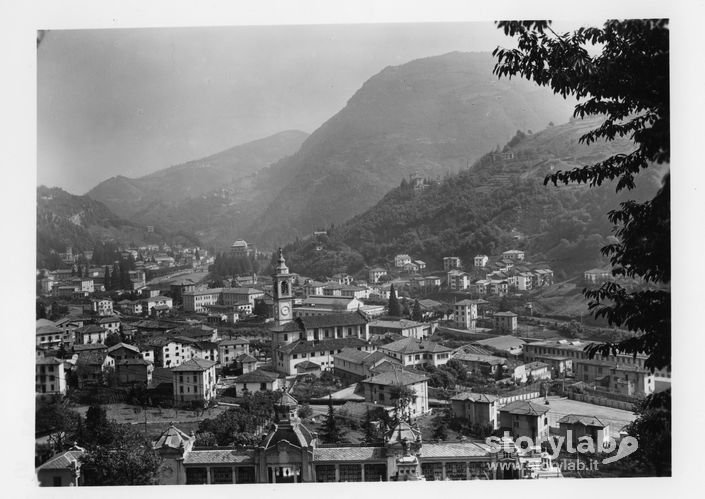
(627, 85)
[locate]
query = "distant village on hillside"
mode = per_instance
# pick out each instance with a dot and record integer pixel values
(398, 373)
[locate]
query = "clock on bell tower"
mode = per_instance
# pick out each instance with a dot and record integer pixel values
(282, 292)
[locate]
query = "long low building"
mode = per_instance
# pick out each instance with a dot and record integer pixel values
(290, 453)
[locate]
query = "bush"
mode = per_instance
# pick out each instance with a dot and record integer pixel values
(305, 411)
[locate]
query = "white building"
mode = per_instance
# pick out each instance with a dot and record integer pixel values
(451, 262)
(513, 254)
(480, 261)
(194, 380)
(401, 260)
(50, 376)
(465, 314)
(458, 280)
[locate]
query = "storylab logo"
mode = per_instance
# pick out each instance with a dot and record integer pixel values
(603, 444)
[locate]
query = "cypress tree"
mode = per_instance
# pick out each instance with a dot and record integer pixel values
(115, 281)
(106, 279)
(331, 433)
(394, 306)
(416, 313)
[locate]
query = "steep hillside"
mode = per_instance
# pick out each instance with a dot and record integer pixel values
(171, 186)
(79, 222)
(482, 208)
(430, 116)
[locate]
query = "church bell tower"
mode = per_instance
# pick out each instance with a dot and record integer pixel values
(282, 292)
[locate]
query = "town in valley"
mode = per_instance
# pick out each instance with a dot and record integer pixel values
(411, 292)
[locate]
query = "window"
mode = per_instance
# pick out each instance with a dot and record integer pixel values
(196, 476)
(246, 474)
(181, 389)
(56, 481)
(222, 475)
(350, 473)
(432, 471)
(456, 471)
(325, 473)
(375, 472)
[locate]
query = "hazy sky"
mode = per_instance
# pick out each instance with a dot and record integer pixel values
(132, 101)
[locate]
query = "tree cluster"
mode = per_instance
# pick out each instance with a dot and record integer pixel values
(240, 424)
(227, 264)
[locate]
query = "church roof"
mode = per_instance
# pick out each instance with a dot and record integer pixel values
(287, 399)
(302, 346)
(295, 434)
(328, 320)
(404, 431)
(173, 438)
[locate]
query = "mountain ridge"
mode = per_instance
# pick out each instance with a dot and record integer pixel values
(482, 208)
(128, 196)
(430, 116)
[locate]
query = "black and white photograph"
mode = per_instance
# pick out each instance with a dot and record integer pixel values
(367, 251)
